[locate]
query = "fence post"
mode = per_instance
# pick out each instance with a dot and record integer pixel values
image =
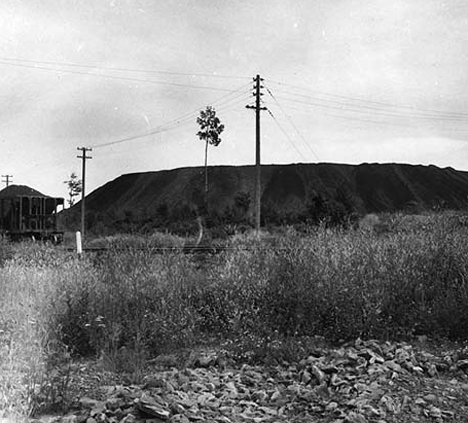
(79, 248)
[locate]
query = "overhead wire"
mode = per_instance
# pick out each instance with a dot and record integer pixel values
(320, 102)
(231, 106)
(176, 125)
(116, 77)
(351, 118)
(401, 115)
(286, 134)
(148, 143)
(369, 119)
(180, 125)
(219, 103)
(377, 103)
(376, 112)
(124, 69)
(292, 123)
(350, 108)
(186, 117)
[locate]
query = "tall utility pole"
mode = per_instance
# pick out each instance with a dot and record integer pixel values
(257, 94)
(83, 157)
(7, 179)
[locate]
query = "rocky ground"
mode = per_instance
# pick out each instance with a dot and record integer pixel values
(365, 381)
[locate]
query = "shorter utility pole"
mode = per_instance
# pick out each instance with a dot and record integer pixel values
(258, 191)
(83, 157)
(7, 179)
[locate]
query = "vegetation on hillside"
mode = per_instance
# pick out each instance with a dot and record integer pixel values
(335, 209)
(291, 195)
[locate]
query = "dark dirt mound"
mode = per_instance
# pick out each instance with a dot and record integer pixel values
(286, 190)
(14, 190)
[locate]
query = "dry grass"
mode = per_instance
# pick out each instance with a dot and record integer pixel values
(404, 279)
(33, 295)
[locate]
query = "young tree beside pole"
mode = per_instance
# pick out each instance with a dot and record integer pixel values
(210, 131)
(74, 188)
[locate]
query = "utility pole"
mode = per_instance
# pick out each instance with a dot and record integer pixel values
(257, 94)
(83, 157)
(7, 179)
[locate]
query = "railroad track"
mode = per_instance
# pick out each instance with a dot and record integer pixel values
(155, 250)
(184, 250)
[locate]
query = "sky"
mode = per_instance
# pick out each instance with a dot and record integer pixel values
(345, 81)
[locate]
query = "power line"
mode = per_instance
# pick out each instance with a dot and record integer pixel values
(159, 129)
(229, 105)
(292, 123)
(124, 78)
(178, 125)
(167, 126)
(352, 118)
(286, 134)
(357, 99)
(370, 120)
(355, 107)
(174, 126)
(120, 69)
(378, 112)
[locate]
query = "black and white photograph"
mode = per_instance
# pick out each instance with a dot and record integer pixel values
(233, 211)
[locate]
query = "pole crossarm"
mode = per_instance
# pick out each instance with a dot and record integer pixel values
(6, 179)
(258, 108)
(255, 108)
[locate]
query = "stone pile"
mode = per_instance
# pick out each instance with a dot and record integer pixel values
(366, 381)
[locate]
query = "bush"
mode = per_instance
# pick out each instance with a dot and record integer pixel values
(343, 284)
(265, 294)
(142, 301)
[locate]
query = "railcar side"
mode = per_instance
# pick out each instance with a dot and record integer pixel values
(28, 216)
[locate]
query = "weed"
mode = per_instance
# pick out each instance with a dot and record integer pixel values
(265, 294)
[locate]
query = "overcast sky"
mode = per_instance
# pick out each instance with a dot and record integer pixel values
(346, 81)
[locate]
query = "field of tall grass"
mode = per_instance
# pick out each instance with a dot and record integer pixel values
(407, 276)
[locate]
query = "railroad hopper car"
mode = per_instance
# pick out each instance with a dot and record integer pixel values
(29, 216)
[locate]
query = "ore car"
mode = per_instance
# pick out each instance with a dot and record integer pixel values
(27, 214)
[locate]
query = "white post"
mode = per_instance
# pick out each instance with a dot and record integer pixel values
(79, 248)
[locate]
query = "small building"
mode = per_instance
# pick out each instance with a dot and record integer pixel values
(27, 213)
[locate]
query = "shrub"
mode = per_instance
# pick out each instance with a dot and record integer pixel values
(142, 300)
(344, 284)
(266, 293)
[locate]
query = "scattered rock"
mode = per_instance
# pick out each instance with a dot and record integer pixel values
(179, 418)
(149, 405)
(364, 381)
(129, 418)
(86, 402)
(463, 365)
(430, 398)
(435, 412)
(319, 374)
(392, 365)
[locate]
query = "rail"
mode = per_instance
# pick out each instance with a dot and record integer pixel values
(184, 250)
(154, 250)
